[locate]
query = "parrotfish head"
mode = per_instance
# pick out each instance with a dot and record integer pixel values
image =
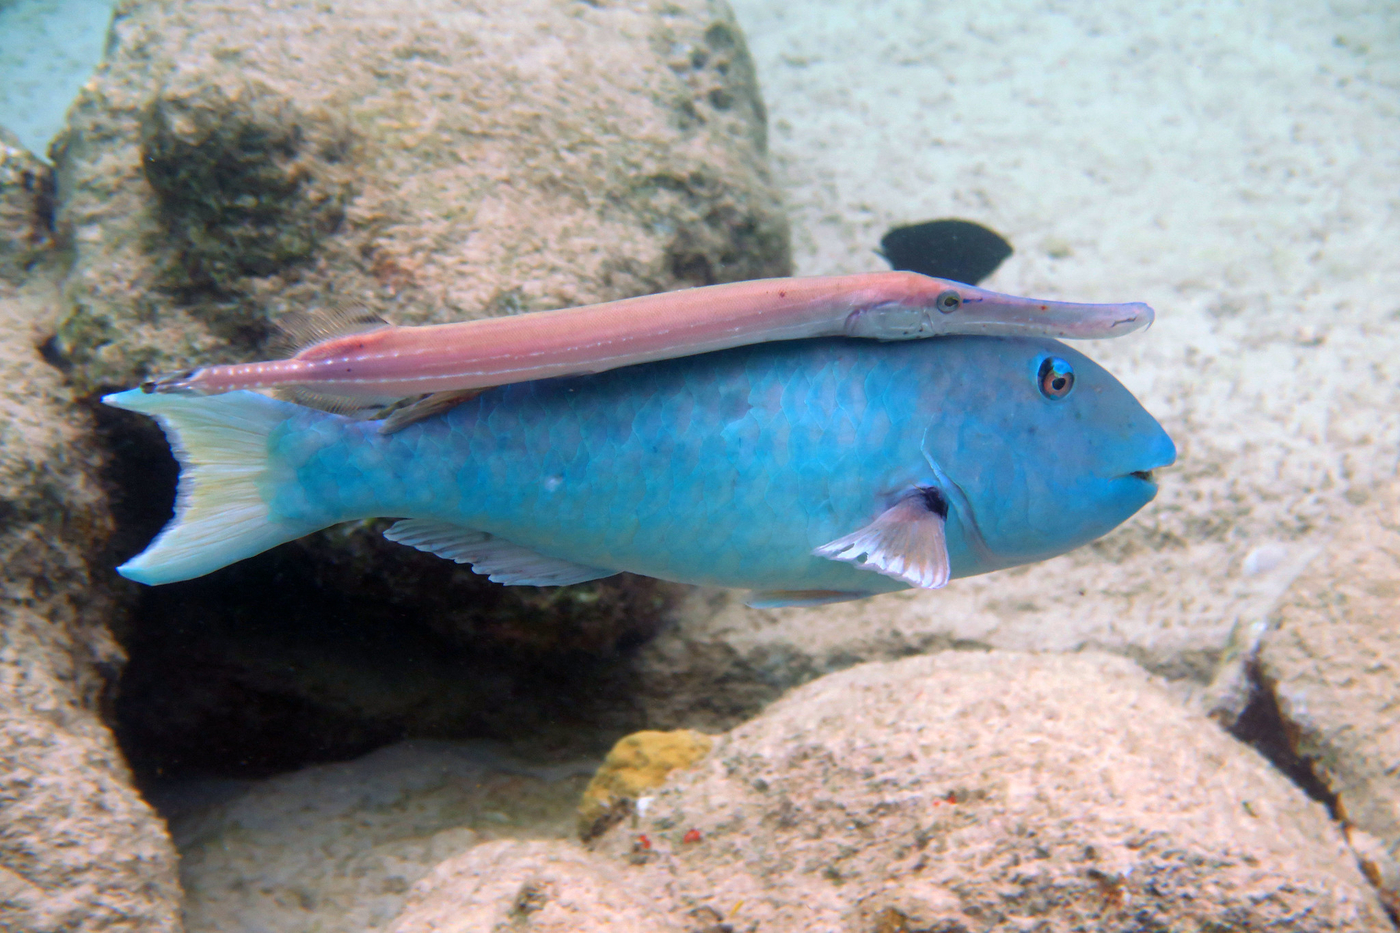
(1048, 452)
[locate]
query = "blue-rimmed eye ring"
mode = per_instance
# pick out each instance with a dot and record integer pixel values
(1055, 379)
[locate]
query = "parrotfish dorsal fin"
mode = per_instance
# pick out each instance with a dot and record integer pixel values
(304, 328)
(959, 250)
(906, 542)
(498, 559)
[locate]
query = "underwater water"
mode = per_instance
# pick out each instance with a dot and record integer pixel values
(1175, 709)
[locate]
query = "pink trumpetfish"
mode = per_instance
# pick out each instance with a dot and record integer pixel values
(386, 361)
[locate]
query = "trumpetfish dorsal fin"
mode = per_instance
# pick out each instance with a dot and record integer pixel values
(301, 329)
(426, 407)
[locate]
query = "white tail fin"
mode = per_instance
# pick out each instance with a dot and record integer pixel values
(220, 515)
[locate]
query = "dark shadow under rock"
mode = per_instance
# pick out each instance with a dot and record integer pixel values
(299, 656)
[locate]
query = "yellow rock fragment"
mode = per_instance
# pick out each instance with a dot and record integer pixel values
(637, 763)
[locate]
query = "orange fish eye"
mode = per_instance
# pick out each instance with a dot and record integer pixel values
(1055, 379)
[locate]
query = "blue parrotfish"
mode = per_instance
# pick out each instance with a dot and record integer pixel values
(807, 471)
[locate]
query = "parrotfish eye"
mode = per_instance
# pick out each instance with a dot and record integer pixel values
(1056, 378)
(948, 301)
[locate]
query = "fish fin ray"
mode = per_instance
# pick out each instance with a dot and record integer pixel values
(361, 409)
(906, 542)
(220, 516)
(298, 330)
(778, 599)
(427, 407)
(497, 559)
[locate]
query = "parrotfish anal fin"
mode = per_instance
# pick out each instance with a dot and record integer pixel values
(906, 542)
(499, 560)
(425, 408)
(304, 328)
(778, 599)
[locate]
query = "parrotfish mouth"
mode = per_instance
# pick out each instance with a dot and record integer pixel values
(1145, 475)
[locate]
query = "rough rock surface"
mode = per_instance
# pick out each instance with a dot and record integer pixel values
(977, 791)
(432, 161)
(335, 848)
(79, 849)
(26, 207)
(543, 887)
(1332, 661)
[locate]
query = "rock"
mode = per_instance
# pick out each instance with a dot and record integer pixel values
(637, 763)
(549, 887)
(336, 848)
(79, 849)
(432, 161)
(1332, 662)
(978, 791)
(1272, 355)
(26, 207)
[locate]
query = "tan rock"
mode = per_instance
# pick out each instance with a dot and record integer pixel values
(336, 848)
(981, 791)
(26, 206)
(549, 887)
(1332, 660)
(433, 161)
(636, 764)
(79, 849)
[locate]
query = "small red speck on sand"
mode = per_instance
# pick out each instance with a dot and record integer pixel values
(951, 798)
(692, 836)
(643, 842)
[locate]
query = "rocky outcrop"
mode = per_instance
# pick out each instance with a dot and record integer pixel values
(433, 162)
(963, 791)
(79, 849)
(1331, 660)
(544, 887)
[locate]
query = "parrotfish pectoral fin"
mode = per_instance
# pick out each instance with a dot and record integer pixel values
(907, 542)
(780, 599)
(499, 560)
(220, 516)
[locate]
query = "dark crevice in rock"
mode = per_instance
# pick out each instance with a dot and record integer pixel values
(1263, 726)
(331, 646)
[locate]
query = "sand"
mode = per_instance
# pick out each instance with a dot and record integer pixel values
(1238, 167)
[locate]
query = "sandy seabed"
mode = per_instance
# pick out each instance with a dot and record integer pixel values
(1237, 166)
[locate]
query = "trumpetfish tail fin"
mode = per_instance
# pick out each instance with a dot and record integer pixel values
(221, 442)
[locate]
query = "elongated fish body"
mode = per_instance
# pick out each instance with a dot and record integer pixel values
(734, 468)
(377, 361)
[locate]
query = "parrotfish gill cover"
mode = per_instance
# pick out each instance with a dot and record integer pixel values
(730, 468)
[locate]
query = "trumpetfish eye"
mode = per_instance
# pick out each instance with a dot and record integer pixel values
(1056, 378)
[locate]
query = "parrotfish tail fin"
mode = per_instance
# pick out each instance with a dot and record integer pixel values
(221, 442)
